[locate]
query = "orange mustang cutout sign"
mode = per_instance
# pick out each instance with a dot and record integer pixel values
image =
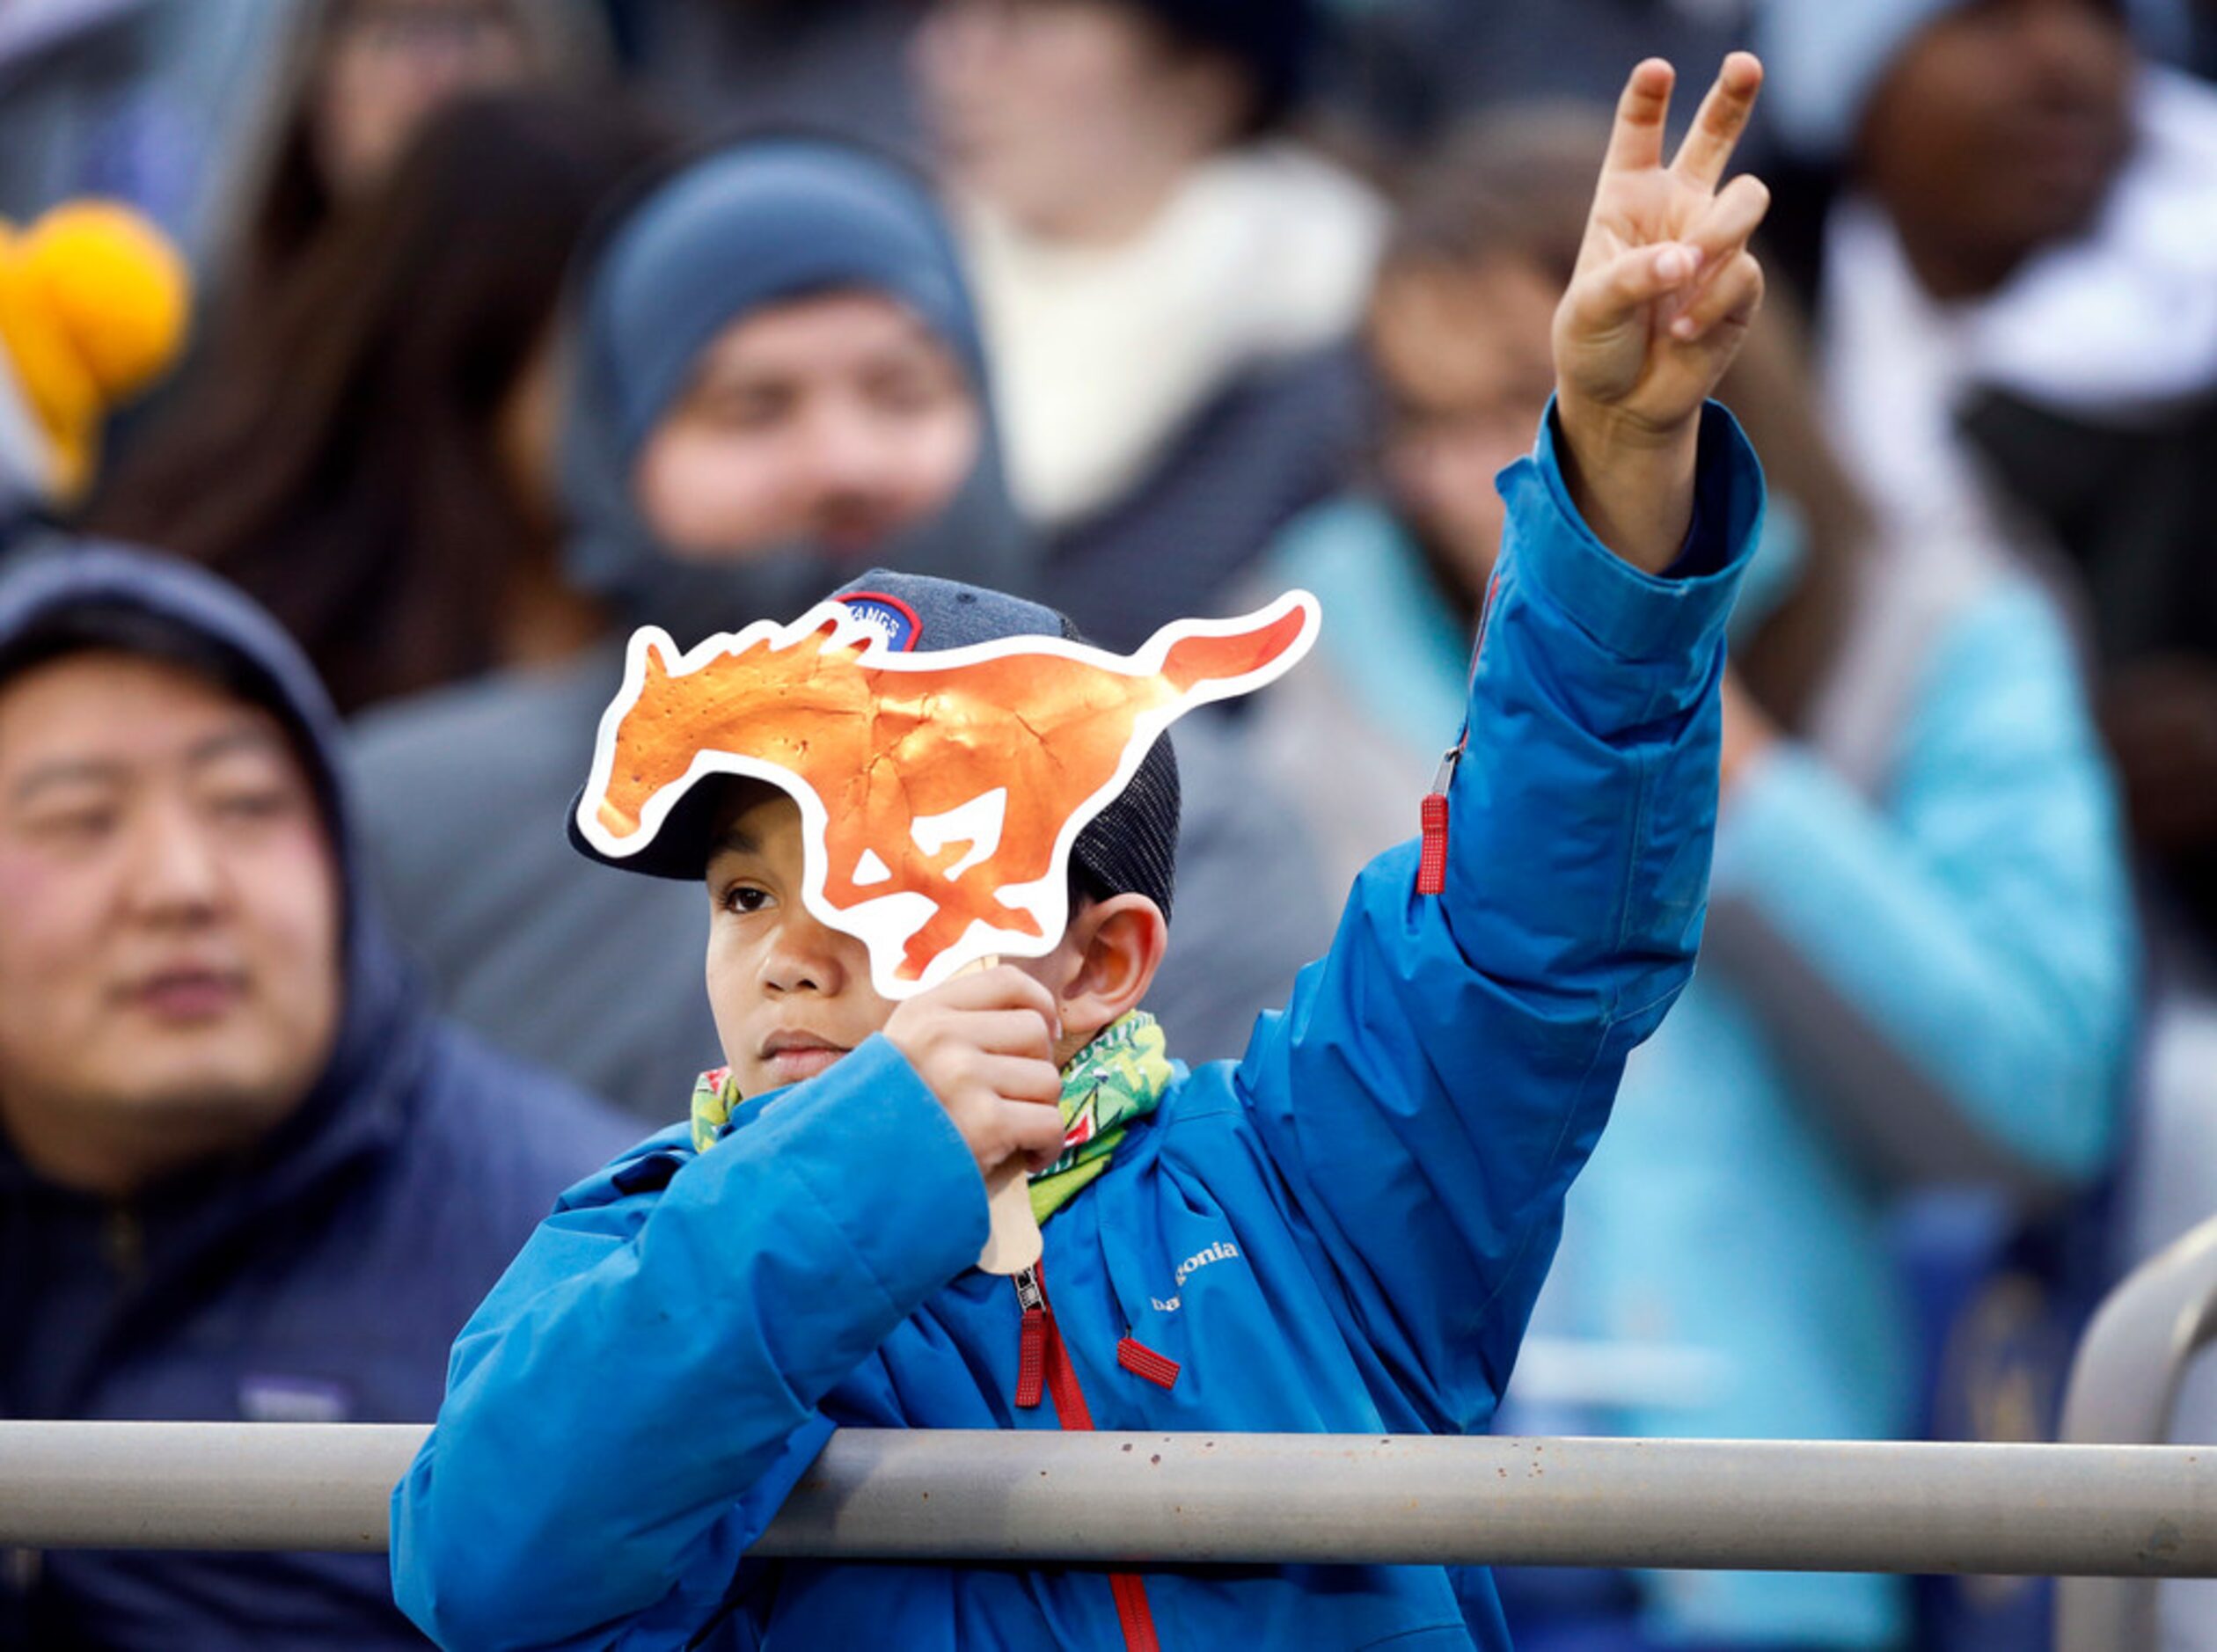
(940, 793)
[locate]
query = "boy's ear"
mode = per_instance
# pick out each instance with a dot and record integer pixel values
(1114, 947)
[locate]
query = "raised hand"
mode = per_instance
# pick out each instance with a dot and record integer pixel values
(1663, 294)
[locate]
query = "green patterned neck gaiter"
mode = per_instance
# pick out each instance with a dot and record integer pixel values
(715, 1097)
(1117, 1079)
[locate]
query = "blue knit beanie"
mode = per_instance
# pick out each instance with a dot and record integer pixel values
(748, 226)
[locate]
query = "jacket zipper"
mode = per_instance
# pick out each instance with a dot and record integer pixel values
(1431, 859)
(1031, 1345)
(1043, 1363)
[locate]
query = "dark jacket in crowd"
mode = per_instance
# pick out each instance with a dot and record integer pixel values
(2150, 576)
(1273, 442)
(322, 1278)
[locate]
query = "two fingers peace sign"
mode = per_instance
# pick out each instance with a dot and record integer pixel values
(1664, 285)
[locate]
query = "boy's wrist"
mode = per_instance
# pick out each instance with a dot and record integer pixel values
(1553, 553)
(1631, 483)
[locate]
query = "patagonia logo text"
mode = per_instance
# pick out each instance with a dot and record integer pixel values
(1225, 1250)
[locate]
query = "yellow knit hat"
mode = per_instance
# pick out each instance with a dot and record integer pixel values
(93, 306)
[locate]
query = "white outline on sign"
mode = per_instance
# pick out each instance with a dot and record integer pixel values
(884, 925)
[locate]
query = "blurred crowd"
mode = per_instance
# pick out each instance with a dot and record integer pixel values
(369, 368)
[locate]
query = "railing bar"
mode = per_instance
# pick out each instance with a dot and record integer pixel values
(1199, 1499)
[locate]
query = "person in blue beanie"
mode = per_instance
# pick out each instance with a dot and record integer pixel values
(1344, 1230)
(776, 379)
(245, 1174)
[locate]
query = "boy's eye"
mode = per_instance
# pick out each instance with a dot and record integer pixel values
(744, 897)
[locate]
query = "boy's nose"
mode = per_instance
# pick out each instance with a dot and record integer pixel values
(805, 957)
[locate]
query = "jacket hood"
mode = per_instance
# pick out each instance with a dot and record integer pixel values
(381, 1007)
(753, 224)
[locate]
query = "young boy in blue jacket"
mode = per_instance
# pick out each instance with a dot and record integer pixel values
(1343, 1232)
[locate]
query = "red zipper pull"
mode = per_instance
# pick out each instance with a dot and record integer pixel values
(1142, 1361)
(1031, 1347)
(1431, 864)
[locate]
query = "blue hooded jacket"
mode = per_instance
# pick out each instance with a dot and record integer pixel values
(1341, 1231)
(320, 1277)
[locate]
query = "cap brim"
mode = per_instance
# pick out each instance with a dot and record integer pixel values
(679, 848)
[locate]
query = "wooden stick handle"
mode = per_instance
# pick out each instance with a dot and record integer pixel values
(1014, 1243)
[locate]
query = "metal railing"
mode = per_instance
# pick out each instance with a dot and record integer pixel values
(2119, 1511)
(2107, 1517)
(2123, 1388)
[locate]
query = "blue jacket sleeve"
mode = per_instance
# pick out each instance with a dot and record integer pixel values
(629, 1407)
(1976, 925)
(1439, 1077)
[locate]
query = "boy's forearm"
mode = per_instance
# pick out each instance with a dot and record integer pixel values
(1593, 725)
(720, 1310)
(1632, 486)
(1462, 1048)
